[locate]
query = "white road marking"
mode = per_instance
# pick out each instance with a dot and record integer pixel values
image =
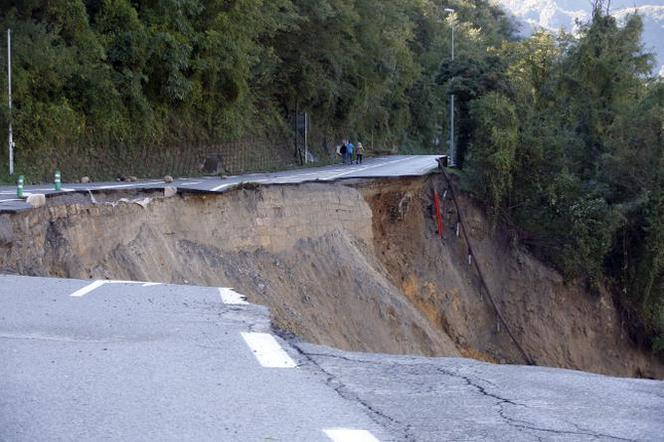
(267, 350)
(112, 186)
(9, 200)
(230, 296)
(51, 189)
(361, 169)
(218, 188)
(96, 284)
(322, 174)
(190, 184)
(87, 289)
(120, 186)
(349, 435)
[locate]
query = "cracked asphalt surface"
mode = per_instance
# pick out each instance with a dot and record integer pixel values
(441, 399)
(163, 362)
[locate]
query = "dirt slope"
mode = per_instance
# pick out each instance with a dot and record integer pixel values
(355, 266)
(558, 323)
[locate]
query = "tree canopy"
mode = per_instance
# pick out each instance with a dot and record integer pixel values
(567, 146)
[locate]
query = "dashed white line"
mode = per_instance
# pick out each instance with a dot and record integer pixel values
(267, 350)
(190, 184)
(230, 296)
(96, 284)
(87, 289)
(349, 435)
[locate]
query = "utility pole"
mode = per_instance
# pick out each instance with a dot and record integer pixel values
(452, 147)
(9, 86)
(306, 137)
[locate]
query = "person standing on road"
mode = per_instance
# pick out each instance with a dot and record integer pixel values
(349, 150)
(342, 151)
(359, 152)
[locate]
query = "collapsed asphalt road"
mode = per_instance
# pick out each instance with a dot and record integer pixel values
(155, 362)
(84, 360)
(392, 166)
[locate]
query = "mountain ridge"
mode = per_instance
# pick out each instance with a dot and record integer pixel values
(553, 15)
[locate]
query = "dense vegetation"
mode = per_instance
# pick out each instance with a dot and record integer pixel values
(566, 144)
(561, 136)
(96, 81)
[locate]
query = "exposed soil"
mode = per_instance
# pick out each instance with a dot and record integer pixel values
(356, 266)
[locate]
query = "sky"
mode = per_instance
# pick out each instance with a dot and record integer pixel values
(556, 14)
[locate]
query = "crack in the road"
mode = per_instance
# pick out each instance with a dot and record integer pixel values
(502, 402)
(339, 387)
(518, 423)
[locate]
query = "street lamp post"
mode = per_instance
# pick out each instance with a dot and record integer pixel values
(452, 147)
(10, 141)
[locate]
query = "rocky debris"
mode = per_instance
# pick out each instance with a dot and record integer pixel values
(168, 179)
(132, 179)
(170, 191)
(143, 202)
(36, 200)
(85, 180)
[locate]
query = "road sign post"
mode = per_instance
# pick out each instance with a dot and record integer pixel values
(58, 180)
(19, 186)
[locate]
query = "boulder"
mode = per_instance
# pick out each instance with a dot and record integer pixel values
(170, 191)
(85, 179)
(168, 179)
(36, 200)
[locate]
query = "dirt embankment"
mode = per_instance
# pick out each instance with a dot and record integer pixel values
(354, 266)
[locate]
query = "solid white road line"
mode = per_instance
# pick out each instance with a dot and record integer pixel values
(361, 169)
(230, 296)
(267, 350)
(87, 289)
(50, 189)
(218, 188)
(348, 435)
(113, 186)
(190, 184)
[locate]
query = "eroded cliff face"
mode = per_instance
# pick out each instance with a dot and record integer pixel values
(558, 323)
(355, 266)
